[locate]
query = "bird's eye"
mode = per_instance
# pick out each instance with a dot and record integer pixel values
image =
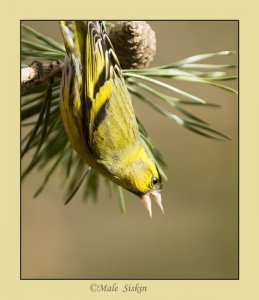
(154, 181)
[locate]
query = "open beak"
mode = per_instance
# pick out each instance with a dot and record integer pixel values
(146, 200)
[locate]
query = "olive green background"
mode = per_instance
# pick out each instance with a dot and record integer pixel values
(198, 235)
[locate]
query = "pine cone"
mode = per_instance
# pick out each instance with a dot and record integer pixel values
(134, 43)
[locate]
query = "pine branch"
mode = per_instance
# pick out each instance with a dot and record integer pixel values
(40, 103)
(37, 72)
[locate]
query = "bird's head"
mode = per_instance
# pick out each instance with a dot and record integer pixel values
(153, 193)
(144, 180)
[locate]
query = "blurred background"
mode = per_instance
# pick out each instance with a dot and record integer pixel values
(197, 238)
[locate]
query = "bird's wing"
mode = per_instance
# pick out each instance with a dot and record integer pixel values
(112, 123)
(95, 104)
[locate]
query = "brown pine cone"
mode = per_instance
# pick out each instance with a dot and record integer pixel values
(134, 43)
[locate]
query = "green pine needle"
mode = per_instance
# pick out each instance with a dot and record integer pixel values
(121, 200)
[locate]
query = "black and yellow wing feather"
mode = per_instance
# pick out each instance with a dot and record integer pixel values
(96, 105)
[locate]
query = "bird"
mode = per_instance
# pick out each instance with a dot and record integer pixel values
(98, 114)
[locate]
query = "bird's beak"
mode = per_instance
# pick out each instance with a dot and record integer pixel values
(146, 200)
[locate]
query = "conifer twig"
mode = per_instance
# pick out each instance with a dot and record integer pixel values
(37, 72)
(40, 102)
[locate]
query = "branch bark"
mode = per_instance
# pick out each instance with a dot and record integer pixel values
(38, 72)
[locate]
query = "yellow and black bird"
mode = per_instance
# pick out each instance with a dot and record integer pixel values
(97, 112)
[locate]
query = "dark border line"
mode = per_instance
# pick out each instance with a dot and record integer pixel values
(238, 151)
